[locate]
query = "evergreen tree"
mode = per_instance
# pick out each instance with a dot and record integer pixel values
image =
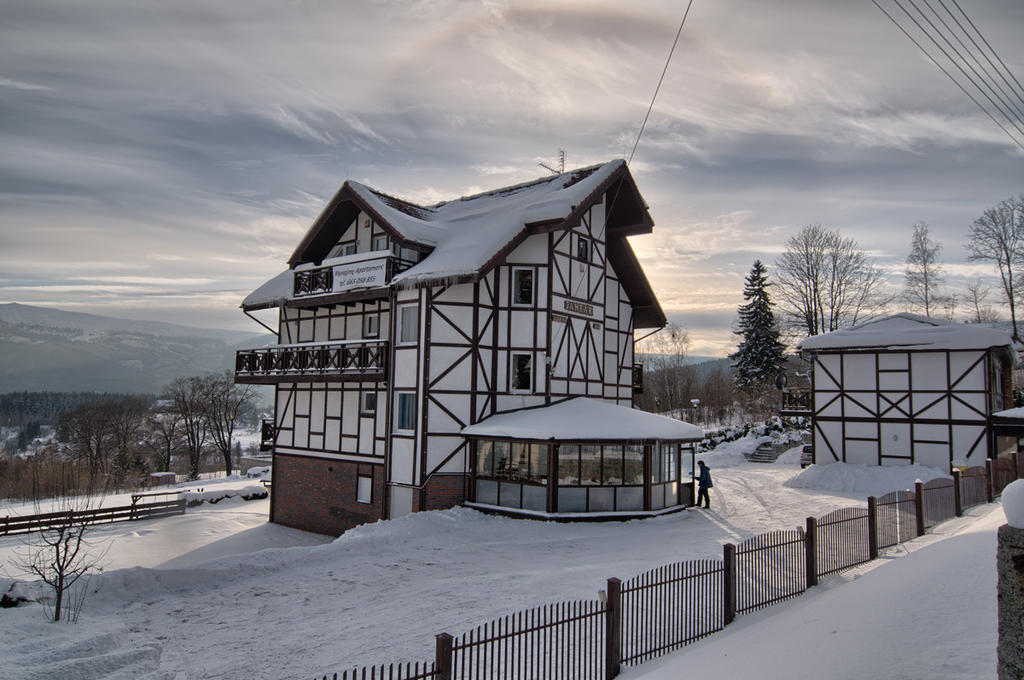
(760, 355)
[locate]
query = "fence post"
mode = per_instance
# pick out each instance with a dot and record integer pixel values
(728, 584)
(872, 527)
(989, 472)
(958, 502)
(443, 657)
(811, 549)
(613, 630)
(919, 506)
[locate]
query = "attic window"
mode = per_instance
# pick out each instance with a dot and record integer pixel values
(583, 248)
(522, 286)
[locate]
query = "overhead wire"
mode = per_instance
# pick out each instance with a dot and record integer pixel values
(1013, 120)
(675, 42)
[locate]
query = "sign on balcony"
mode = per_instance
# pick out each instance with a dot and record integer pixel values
(365, 274)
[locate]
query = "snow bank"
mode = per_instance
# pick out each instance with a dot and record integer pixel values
(730, 454)
(246, 493)
(1013, 503)
(873, 480)
(790, 457)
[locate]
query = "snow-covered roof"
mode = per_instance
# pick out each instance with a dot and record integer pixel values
(273, 293)
(586, 419)
(464, 238)
(470, 231)
(908, 331)
(467, 233)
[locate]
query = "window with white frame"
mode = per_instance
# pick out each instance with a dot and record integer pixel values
(369, 403)
(522, 372)
(408, 324)
(522, 286)
(350, 248)
(364, 489)
(380, 242)
(371, 325)
(405, 411)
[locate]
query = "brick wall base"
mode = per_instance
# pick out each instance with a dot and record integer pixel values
(319, 495)
(442, 491)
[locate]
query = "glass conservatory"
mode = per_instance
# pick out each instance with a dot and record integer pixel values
(582, 457)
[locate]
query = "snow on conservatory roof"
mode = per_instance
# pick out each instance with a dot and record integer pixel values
(584, 419)
(908, 331)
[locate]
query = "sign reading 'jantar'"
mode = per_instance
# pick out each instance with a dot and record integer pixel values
(365, 274)
(579, 307)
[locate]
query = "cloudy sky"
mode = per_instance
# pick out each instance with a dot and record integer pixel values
(162, 159)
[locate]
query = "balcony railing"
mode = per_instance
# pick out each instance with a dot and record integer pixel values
(322, 362)
(373, 273)
(795, 402)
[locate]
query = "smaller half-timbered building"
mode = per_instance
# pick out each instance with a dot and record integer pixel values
(406, 333)
(908, 389)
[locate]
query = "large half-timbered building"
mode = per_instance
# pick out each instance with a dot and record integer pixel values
(908, 389)
(405, 330)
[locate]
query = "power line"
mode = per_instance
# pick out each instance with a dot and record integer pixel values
(656, 89)
(1010, 112)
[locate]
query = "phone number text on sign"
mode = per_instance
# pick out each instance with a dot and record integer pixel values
(365, 274)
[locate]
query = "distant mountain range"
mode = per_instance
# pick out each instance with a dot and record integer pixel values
(45, 349)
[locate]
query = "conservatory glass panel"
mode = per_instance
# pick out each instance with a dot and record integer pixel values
(590, 464)
(568, 464)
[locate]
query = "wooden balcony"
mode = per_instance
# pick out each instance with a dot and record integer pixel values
(339, 280)
(795, 402)
(350, 360)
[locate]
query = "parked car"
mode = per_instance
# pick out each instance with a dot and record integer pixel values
(807, 455)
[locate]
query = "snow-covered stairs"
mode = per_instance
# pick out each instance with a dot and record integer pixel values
(765, 453)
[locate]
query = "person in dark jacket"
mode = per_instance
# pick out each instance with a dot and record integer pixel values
(703, 484)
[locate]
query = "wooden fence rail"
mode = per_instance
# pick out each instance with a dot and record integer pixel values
(666, 608)
(28, 523)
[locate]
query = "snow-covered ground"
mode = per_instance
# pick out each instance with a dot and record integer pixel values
(219, 593)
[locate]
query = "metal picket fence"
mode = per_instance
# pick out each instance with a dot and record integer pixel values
(668, 607)
(663, 609)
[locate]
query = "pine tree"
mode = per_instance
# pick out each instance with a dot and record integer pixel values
(760, 355)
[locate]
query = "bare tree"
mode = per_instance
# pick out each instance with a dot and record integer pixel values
(998, 237)
(825, 281)
(165, 436)
(665, 384)
(923, 274)
(977, 293)
(61, 554)
(186, 397)
(89, 438)
(126, 417)
(224, 404)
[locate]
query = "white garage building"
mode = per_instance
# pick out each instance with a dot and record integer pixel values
(908, 389)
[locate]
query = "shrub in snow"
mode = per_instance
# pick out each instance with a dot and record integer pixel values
(1013, 504)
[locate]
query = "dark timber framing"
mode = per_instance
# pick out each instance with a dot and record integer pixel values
(577, 329)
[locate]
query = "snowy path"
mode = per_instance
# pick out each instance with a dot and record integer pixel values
(381, 592)
(926, 610)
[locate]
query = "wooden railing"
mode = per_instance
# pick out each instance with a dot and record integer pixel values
(319, 362)
(28, 523)
(795, 402)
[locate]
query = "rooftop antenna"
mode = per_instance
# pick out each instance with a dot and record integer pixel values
(561, 163)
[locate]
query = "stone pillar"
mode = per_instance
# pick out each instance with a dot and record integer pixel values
(1010, 569)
